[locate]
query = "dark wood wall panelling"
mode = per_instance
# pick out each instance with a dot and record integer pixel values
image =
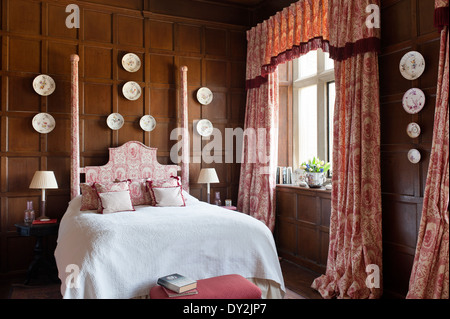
(405, 25)
(35, 40)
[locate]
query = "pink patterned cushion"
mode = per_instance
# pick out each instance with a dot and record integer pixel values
(108, 188)
(161, 183)
(139, 192)
(89, 197)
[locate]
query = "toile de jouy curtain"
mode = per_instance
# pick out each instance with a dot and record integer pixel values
(338, 27)
(430, 275)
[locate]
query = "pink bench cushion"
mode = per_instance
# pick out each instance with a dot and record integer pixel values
(222, 287)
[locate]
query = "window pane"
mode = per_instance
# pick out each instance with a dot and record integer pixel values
(329, 63)
(308, 64)
(307, 123)
(330, 102)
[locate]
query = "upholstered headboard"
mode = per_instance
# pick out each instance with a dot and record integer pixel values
(132, 160)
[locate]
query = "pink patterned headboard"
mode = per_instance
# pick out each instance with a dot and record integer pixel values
(132, 160)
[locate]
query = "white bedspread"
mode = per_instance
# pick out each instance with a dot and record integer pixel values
(121, 255)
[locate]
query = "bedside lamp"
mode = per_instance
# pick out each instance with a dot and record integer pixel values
(208, 176)
(43, 180)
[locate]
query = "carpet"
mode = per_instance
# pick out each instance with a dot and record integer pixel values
(50, 291)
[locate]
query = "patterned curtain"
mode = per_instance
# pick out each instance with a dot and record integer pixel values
(355, 248)
(338, 27)
(429, 276)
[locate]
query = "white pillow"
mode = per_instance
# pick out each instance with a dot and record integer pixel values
(113, 202)
(168, 196)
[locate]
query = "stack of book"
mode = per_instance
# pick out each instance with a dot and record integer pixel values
(176, 285)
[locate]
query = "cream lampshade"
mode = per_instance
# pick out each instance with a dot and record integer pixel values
(43, 180)
(208, 176)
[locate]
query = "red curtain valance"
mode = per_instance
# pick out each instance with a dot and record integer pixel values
(441, 13)
(308, 25)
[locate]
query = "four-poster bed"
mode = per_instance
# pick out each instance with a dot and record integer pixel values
(121, 254)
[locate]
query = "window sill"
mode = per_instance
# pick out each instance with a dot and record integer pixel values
(306, 188)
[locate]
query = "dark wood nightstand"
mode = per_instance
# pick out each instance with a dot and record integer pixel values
(40, 258)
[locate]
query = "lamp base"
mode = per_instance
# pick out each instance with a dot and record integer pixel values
(43, 218)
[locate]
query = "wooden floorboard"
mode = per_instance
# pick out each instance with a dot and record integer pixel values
(299, 279)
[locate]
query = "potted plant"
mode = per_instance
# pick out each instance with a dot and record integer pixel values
(315, 172)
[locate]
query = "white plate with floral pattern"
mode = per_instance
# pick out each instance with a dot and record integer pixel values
(412, 65)
(204, 96)
(131, 62)
(414, 156)
(413, 100)
(204, 128)
(115, 121)
(43, 123)
(44, 85)
(131, 90)
(147, 123)
(413, 130)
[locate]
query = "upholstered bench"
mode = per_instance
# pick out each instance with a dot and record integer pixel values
(221, 287)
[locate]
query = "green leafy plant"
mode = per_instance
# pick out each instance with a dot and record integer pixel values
(315, 166)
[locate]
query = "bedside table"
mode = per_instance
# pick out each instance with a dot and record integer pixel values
(40, 258)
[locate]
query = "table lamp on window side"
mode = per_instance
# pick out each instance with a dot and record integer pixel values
(208, 176)
(43, 180)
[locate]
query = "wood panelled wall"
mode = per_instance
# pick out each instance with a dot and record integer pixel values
(405, 25)
(35, 40)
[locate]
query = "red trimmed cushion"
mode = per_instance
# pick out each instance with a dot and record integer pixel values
(160, 183)
(138, 191)
(221, 287)
(108, 188)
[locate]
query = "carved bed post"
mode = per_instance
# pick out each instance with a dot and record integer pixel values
(185, 155)
(75, 131)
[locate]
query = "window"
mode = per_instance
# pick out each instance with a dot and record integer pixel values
(314, 95)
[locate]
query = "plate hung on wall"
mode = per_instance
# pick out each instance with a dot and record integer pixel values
(131, 90)
(147, 123)
(204, 95)
(43, 123)
(131, 62)
(412, 65)
(204, 128)
(413, 130)
(44, 84)
(413, 100)
(115, 121)
(414, 156)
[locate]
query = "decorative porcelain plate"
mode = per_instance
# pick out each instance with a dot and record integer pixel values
(147, 123)
(131, 62)
(412, 65)
(44, 85)
(131, 90)
(204, 128)
(204, 95)
(413, 100)
(115, 121)
(413, 130)
(43, 123)
(414, 156)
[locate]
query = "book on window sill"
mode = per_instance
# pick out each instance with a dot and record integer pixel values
(172, 294)
(177, 283)
(48, 221)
